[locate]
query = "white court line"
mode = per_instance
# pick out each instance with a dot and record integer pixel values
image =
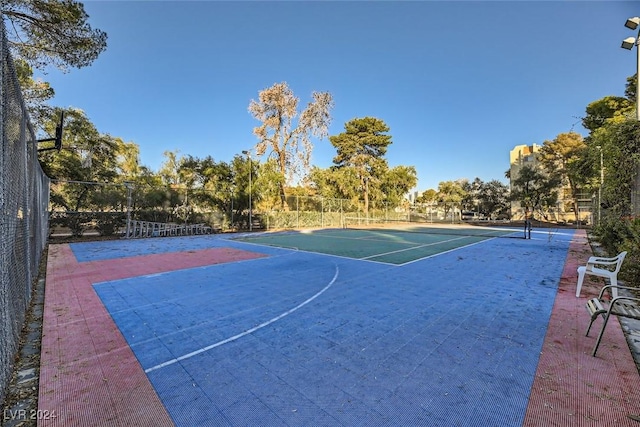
(315, 253)
(247, 332)
(472, 244)
(415, 247)
(444, 252)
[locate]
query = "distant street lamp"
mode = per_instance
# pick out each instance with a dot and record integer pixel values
(248, 154)
(628, 43)
(601, 183)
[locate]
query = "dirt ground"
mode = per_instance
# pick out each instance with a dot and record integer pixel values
(20, 407)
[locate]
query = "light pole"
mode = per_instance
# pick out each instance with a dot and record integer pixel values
(628, 43)
(248, 154)
(601, 183)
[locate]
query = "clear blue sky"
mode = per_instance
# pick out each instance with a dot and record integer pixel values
(459, 83)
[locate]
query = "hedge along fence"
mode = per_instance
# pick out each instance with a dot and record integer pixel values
(80, 223)
(617, 234)
(108, 224)
(104, 208)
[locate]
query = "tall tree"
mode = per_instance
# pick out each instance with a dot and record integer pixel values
(128, 160)
(86, 155)
(535, 190)
(35, 93)
(335, 182)
(428, 197)
(285, 132)
(631, 89)
(219, 183)
(561, 156)
(170, 168)
(362, 147)
(471, 199)
(605, 109)
(614, 141)
(451, 194)
(620, 145)
(494, 199)
(52, 32)
(396, 183)
(266, 184)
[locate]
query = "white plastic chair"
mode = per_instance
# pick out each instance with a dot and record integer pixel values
(602, 267)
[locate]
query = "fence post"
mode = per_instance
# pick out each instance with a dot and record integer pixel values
(231, 213)
(128, 185)
(297, 211)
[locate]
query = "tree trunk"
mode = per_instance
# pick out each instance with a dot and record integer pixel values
(282, 160)
(574, 201)
(365, 195)
(283, 198)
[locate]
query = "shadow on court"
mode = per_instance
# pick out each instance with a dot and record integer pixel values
(211, 331)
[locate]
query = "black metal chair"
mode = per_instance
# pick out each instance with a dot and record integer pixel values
(621, 306)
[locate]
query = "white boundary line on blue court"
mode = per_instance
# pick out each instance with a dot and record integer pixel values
(414, 247)
(292, 248)
(248, 331)
(477, 243)
(445, 252)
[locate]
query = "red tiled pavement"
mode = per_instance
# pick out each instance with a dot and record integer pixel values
(88, 375)
(572, 388)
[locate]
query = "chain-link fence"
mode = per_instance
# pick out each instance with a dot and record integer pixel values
(105, 209)
(109, 209)
(24, 194)
(316, 211)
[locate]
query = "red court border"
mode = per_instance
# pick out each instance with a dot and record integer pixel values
(572, 388)
(89, 375)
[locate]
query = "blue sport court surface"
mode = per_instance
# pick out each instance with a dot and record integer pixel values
(303, 338)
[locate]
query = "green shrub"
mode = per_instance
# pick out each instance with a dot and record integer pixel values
(621, 234)
(108, 223)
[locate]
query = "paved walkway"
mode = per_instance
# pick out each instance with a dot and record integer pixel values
(571, 387)
(89, 375)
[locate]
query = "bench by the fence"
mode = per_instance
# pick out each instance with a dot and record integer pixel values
(139, 229)
(622, 306)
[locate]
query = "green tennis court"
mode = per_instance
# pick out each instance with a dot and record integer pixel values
(396, 245)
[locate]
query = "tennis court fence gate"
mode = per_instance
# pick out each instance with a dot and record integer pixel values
(24, 196)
